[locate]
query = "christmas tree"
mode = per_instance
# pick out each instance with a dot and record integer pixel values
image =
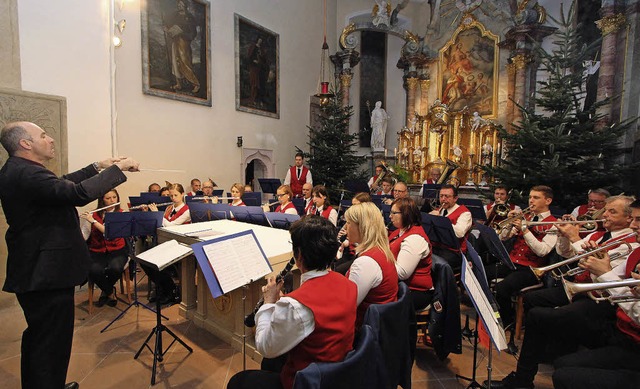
(332, 156)
(559, 141)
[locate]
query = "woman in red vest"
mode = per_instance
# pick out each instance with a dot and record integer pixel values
(108, 257)
(374, 269)
(321, 206)
(284, 195)
(411, 247)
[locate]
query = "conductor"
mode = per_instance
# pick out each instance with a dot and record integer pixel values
(47, 255)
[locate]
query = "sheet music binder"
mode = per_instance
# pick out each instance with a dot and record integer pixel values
(269, 185)
(439, 229)
(165, 254)
(127, 224)
(252, 268)
(496, 248)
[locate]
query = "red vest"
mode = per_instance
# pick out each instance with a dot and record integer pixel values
(521, 252)
(98, 244)
(167, 213)
(332, 337)
(288, 206)
(584, 208)
(596, 236)
(296, 184)
(325, 211)
(387, 291)
(240, 204)
(421, 277)
(624, 323)
(453, 217)
(307, 209)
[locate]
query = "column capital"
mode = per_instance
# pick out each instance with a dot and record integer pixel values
(611, 23)
(520, 61)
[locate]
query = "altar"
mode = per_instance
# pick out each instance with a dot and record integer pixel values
(224, 316)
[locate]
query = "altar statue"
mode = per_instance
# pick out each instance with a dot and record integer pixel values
(379, 119)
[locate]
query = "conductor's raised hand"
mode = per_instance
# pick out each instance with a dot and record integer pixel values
(107, 162)
(127, 164)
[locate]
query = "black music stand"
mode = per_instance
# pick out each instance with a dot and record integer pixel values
(439, 229)
(128, 225)
(158, 353)
(495, 246)
(280, 220)
(204, 212)
(356, 186)
(253, 215)
(430, 191)
(475, 206)
(253, 199)
(300, 204)
(269, 185)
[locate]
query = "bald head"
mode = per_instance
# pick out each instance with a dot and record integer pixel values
(27, 140)
(306, 190)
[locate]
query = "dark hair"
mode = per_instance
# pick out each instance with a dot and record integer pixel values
(321, 190)
(11, 135)
(154, 184)
(314, 241)
(163, 189)
(501, 186)
(194, 180)
(300, 154)
(101, 203)
(449, 186)
(409, 212)
(388, 180)
(545, 190)
(635, 204)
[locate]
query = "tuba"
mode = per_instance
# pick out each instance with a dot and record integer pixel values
(446, 178)
(381, 176)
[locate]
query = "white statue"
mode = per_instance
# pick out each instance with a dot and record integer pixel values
(477, 121)
(381, 13)
(487, 151)
(379, 120)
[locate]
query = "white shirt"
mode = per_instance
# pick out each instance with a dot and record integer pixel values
(287, 178)
(464, 223)
(366, 274)
(412, 249)
(539, 248)
(281, 326)
(182, 219)
(333, 215)
(632, 309)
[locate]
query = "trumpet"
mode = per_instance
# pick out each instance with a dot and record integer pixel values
(141, 206)
(540, 271)
(573, 288)
(590, 218)
(507, 223)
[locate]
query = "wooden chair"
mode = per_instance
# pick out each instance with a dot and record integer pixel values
(124, 279)
(520, 308)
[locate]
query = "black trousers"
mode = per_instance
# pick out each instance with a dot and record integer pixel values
(615, 366)
(105, 269)
(509, 286)
(162, 278)
(46, 343)
(267, 378)
(547, 297)
(453, 258)
(553, 332)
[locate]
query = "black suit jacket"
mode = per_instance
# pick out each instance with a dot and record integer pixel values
(45, 245)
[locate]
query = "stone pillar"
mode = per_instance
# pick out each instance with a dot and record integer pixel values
(10, 76)
(411, 84)
(345, 85)
(511, 88)
(521, 92)
(344, 61)
(609, 25)
(424, 99)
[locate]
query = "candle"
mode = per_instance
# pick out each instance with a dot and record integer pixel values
(395, 152)
(385, 152)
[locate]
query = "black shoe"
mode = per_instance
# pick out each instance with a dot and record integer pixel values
(102, 300)
(112, 302)
(509, 382)
(72, 385)
(152, 296)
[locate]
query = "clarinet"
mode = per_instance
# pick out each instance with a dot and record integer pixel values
(250, 319)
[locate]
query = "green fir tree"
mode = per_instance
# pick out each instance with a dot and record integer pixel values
(558, 142)
(332, 157)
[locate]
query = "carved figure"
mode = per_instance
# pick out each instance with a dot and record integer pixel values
(379, 119)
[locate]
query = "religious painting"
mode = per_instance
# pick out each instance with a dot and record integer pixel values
(176, 50)
(468, 69)
(257, 68)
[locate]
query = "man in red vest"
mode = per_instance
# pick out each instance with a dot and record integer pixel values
(596, 201)
(558, 331)
(461, 221)
(301, 326)
(297, 175)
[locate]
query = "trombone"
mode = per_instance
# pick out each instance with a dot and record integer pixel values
(573, 288)
(540, 271)
(585, 225)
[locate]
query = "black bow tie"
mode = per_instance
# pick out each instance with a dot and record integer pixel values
(173, 213)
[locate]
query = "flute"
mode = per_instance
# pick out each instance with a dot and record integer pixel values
(101, 209)
(270, 204)
(250, 319)
(213, 197)
(146, 205)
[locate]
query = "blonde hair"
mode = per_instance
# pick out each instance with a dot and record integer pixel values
(370, 224)
(239, 187)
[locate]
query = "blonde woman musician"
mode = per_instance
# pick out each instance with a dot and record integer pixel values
(373, 270)
(108, 257)
(284, 195)
(237, 190)
(176, 213)
(321, 207)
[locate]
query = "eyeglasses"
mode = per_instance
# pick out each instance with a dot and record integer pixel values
(395, 212)
(207, 187)
(597, 201)
(280, 195)
(399, 191)
(446, 196)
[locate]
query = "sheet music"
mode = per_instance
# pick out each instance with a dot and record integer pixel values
(236, 261)
(165, 254)
(485, 310)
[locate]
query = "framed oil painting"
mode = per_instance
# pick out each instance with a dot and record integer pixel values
(468, 69)
(257, 68)
(176, 50)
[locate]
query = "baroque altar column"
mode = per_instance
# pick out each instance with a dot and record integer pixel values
(520, 85)
(411, 85)
(344, 61)
(609, 26)
(424, 96)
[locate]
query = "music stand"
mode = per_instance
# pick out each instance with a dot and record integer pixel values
(252, 199)
(253, 215)
(495, 246)
(203, 212)
(158, 353)
(269, 185)
(439, 229)
(299, 203)
(475, 206)
(430, 191)
(356, 186)
(128, 225)
(280, 220)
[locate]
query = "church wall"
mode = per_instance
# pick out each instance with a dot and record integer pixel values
(65, 51)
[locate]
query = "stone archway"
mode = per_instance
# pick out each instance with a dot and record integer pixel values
(261, 161)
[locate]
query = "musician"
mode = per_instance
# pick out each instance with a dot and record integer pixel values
(617, 217)
(108, 257)
(596, 199)
(301, 324)
(500, 196)
(347, 251)
(461, 221)
(284, 195)
(297, 175)
(321, 205)
(386, 187)
(411, 248)
(434, 175)
(530, 248)
(400, 190)
(372, 181)
(561, 330)
(373, 270)
(154, 188)
(195, 187)
(237, 191)
(207, 188)
(46, 253)
(306, 194)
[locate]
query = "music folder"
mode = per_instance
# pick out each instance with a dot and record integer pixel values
(231, 261)
(165, 254)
